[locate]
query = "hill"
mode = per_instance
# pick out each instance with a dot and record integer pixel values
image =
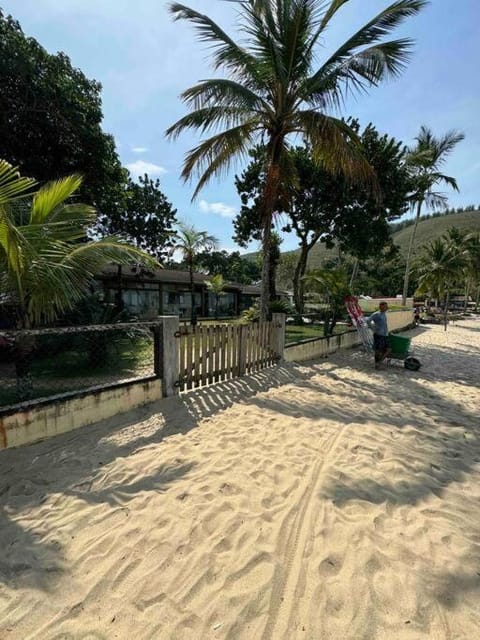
(428, 229)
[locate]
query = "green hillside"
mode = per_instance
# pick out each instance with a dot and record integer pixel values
(428, 229)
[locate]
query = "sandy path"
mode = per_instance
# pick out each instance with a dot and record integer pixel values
(327, 501)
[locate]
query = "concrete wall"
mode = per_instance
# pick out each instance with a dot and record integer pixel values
(62, 413)
(321, 347)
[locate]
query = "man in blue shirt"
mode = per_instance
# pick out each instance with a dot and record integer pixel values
(379, 325)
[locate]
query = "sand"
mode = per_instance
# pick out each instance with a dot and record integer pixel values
(323, 501)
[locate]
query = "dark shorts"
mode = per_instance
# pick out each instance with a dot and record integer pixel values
(380, 343)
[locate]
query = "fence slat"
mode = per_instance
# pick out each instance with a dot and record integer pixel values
(208, 354)
(190, 343)
(204, 356)
(183, 352)
(196, 359)
(223, 347)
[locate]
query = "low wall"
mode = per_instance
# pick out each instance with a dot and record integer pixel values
(321, 347)
(24, 424)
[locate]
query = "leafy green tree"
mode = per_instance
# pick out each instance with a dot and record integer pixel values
(332, 285)
(274, 91)
(216, 285)
(329, 208)
(425, 161)
(50, 119)
(47, 263)
(190, 242)
(146, 218)
(232, 266)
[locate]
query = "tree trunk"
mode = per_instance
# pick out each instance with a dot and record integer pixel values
(272, 272)
(269, 199)
(354, 273)
(298, 283)
(409, 255)
(445, 311)
(216, 306)
(467, 293)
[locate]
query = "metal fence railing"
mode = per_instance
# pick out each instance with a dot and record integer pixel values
(45, 362)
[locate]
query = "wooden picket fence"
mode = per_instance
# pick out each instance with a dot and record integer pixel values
(212, 353)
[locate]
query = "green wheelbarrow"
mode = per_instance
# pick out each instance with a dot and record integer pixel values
(400, 350)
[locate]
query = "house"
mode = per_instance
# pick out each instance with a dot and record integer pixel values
(148, 294)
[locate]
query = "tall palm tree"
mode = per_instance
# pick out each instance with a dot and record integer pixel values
(275, 90)
(425, 160)
(190, 242)
(47, 262)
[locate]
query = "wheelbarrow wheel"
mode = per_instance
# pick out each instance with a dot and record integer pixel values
(412, 364)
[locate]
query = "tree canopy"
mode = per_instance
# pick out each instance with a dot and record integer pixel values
(320, 206)
(146, 218)
(275, 89)
(50, 119)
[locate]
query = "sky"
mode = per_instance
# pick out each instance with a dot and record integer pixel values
(144, 61)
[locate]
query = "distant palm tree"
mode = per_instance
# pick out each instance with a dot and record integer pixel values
(425, 161)
(440, 269)
(275, 91)
(333, 286)
(190, 242)
(216, 285)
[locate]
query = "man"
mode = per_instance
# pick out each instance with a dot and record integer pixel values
(379, 325)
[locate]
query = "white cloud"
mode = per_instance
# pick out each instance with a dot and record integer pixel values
(218, 208)
(140, 167)
(139, 149)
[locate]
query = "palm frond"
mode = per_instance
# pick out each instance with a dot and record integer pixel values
(50, 196)
(335, 145)
(226, 52)
(12, 186)
(228, 93)
(213, 157)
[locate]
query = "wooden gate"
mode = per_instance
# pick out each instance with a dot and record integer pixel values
(212, 353)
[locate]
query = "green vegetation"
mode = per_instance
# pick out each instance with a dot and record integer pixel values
(64, 363)
(424, 162)
(319, 204)
(274, 91)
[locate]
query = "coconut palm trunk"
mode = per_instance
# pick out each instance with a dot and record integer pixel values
(445, 311)
(408, 265)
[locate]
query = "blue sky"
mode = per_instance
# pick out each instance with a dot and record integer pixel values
(144, 61)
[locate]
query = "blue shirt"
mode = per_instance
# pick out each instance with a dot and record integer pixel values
(378, 322)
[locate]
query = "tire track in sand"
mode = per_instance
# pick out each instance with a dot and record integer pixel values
(296, 530)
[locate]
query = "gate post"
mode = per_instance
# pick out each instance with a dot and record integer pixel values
(278, 341)
(166, 354)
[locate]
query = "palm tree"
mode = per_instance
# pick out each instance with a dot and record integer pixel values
(333, 286)
(440, 269)
(216, 285)
(190, 242)
(274, 91)
(47, 262)
(425, 161)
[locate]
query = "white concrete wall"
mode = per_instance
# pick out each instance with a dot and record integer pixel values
(321, 347)
(61, 414)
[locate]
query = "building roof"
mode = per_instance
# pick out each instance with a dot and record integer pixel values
(169, 276)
